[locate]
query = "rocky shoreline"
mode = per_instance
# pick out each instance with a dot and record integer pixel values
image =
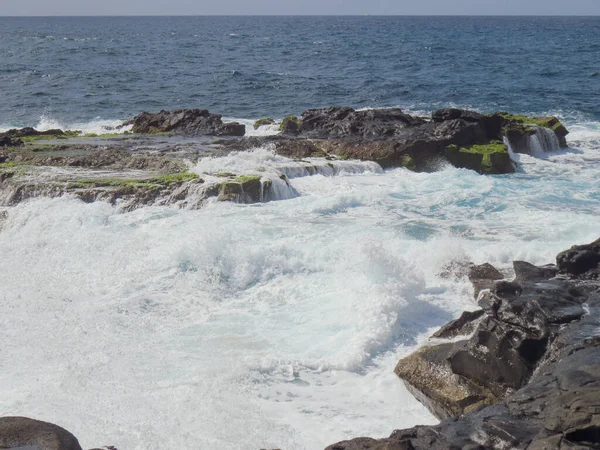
(153, 163)
(522, 372)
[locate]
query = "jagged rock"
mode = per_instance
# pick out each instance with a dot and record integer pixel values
(22, 431)
(290, 125)
(28, 132)
(580, 260)
(537, 351)
(483, 277)
(186, 121)
(527, 272)
(519, 130)
(8, 141)
(245, 189)
(463, 326)
(338, 122)
(393, 138)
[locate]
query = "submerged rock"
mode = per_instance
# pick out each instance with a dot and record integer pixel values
(526, 375)
(186, 121)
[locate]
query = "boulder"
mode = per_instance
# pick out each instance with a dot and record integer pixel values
(22, 432)
(489, 158)
(8, 141)
(261, 122)
(580, 260)
(483, 277)
(527, 272)
(194, 122)
(519, 131)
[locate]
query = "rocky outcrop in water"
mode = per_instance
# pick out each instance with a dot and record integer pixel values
(526, 373)
(393, 138)
(192, 122)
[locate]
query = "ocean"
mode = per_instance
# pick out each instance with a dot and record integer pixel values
(274, 325)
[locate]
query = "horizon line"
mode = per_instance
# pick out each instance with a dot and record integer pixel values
(301, 15)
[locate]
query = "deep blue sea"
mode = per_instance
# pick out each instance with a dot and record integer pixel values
(80, 69)
(273, 325)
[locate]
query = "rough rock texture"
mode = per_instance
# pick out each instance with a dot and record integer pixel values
(393, 138)
(8, 141)
(21, 431)
(580, 260)
(186, 121)
(525, 376)
(483, 277)
(520, 129)
(29, 132)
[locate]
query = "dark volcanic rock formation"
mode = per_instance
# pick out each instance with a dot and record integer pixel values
(193, 122)
(526, 375)
(393, 138)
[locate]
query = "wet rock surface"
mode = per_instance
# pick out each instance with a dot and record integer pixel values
(525, 375)
(169, 142)
(186, 121)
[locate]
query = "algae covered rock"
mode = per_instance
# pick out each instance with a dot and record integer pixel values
(243, 189)
(264, 121)
(520, 130)
(428, 375)
(490, 158)
(290, 125)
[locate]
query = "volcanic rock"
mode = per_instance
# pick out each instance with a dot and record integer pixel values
(531, 354)
(193, 122)
(580, 260)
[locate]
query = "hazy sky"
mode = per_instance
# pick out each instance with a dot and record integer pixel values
(242, 7)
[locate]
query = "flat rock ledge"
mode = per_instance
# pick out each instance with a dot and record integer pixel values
(522, 372)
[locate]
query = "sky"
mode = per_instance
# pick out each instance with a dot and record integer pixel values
(311, 7)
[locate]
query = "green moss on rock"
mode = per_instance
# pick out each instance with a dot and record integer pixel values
(143, 183)
(490, 158)
(290, 124)
(264, 121)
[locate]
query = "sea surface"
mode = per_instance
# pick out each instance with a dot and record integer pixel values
(275, 325)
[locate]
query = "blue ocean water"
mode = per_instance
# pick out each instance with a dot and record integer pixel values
(80, 69)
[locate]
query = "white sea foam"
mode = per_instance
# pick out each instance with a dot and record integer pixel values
(275, 325)
(96, 126)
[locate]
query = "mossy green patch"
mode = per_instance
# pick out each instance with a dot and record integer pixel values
(161, 182)
(288, 121)
(225, 175)
(10, 165)
(546, 122)
(487, 158)
(247, 179)
(264, 121)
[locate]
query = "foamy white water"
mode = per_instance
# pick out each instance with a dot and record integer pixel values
(97, 126)
(275, 325)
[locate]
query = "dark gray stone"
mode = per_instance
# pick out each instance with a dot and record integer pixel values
(23, 432)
